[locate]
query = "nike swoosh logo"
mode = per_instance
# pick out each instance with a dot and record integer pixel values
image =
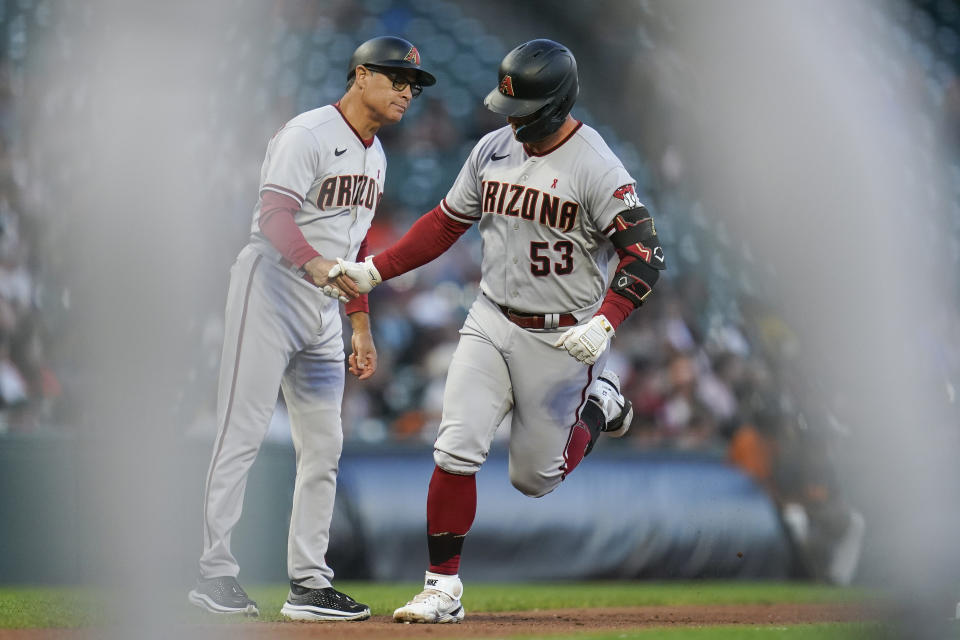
(339, 152)
(495, 157)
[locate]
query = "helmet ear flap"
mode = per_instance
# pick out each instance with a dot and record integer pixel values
(531, 132)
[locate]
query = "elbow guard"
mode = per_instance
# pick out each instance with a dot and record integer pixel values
(635, 238)
(634, 281)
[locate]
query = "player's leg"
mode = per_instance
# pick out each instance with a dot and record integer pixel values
(477, 397)
(313, 390)
(561, 408)
(253, 359)
(553, 424)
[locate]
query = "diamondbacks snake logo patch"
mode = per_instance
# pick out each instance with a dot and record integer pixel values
(506, 86)
(629, 196)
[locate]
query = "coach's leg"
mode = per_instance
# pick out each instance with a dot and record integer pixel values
(253, 359)
(313, 390)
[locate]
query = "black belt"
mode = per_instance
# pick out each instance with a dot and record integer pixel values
(538, 321)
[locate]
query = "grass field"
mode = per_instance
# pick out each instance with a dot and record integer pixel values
(72, 607)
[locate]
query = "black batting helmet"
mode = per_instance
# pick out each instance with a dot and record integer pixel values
(538, 77)
(389, 51)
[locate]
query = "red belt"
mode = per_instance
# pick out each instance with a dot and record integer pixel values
(534, 321)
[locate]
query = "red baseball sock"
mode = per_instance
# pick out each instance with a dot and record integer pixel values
(583, 436)
(451, 507)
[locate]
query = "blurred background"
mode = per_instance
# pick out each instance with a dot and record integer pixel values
(794, 375)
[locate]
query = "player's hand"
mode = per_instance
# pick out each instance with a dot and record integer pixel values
(587, 341)
(363, 274)
(363, 360)
(319, 269)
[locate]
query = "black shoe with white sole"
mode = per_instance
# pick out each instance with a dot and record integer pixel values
(617, 409)
(222, 595)
(304, 603)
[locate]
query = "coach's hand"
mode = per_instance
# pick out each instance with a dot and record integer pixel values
(363, 274)
(319, 268)
(363, 361)
(587, 341)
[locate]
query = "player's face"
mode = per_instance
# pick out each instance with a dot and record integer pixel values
(389, 92)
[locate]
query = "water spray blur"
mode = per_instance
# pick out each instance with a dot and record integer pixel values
(809, 131)
(128, 97)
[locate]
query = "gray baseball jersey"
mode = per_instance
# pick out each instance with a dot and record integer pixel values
(544, 221)
(320, 160)
(282, 332)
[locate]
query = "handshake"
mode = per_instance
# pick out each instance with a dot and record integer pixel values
(345, 278)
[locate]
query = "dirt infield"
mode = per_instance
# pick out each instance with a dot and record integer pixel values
(480, 625)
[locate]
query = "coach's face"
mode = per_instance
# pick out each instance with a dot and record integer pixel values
(388, 92)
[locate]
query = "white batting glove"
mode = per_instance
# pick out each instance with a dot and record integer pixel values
(363, 273)
(587, 341)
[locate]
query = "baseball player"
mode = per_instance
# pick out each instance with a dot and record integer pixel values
(554, 206)
(320, 185)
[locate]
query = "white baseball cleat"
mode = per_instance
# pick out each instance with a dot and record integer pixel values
(439, 602)
(617, 409)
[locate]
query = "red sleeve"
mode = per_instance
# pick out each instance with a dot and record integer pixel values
(616, 307)
(360, 303)
(276, 222)
(432, 234)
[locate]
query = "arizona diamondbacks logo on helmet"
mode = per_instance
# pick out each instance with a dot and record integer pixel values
(412, 56)
(628, 195)
(506, 86)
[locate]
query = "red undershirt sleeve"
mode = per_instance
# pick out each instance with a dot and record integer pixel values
(277, 224)
(432, 234)
(616, 307)
(360, 303)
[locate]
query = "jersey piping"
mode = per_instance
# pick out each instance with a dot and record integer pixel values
(456, 215)
(284, 190)
(233, 388)
(366, 142)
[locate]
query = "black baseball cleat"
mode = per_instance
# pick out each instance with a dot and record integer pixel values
(222, 595)
(304, 603)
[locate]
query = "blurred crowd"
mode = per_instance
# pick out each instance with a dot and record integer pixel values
(700, 360)
(707, 364)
